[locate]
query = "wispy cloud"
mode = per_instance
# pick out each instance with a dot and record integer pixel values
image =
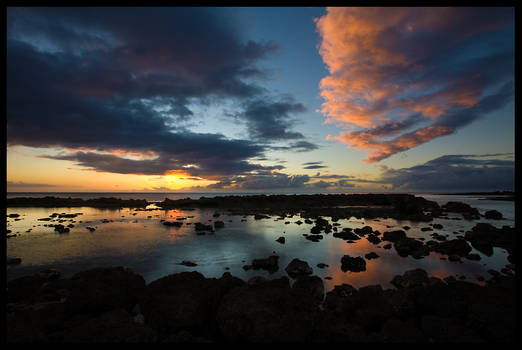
(400, 77)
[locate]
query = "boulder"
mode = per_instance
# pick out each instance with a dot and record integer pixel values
(356, 264)
(298, 268)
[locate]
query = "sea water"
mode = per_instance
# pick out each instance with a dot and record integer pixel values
(139, 240)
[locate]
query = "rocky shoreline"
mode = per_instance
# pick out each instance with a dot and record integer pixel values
(115, 304)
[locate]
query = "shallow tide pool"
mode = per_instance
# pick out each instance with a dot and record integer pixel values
(139, 240)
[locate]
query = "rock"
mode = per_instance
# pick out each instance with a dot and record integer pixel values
(185, 301)
(61, 229)
(198, 226)
(484, 237)
(188, 263)
(270, 264)
(457, 247)
(281, 240)
(393, 236)
(493, 214)
(387, 246)
(468, 212)
(298, 268)
(92, 229)
(363, 231)
(411, 279)
(371, 255)
(311, 286)
(314, 238)
(438, 226)
(270, 311)
(472, 257)
(260, 216)
(321, 265)
(219, 224)
(347, 235)
(173, 223)
(356, 264)
(113, 326)
(373, 239)
(410, 246)
(444, 330)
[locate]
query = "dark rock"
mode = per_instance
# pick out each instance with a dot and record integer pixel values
(270, 264)
(198, 226)
(411, 279)
(363, 231)
(281, 240)
(373, 239)
(265, 312)
(219, 224)
(310, 285)
(409, 246)
(371, 255)
(493, 214)
(457, 247)
(387, 246)
(188, 263)
(173, 223)
(356, 264)
(347, 235)
(297, 268)
(393, 236)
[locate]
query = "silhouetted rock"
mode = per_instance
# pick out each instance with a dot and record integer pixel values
(356, 264)
(298, 268)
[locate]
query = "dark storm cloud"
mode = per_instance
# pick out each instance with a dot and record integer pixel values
(456, 172)
(269, 120)
(273, 181)
(106, 79)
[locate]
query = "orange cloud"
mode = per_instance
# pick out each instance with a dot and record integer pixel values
(389, 67)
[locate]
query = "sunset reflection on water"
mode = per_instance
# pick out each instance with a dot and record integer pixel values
(139, 240)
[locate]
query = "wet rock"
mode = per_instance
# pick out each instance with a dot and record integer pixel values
(310, 285)
(472, 257)
(198, 226)
(373, 239)
(393, 236)
(411, 279)
(297, 268)
(270, 264)
(468, 212)
(314, 238)
(493, 214)
(92, 229)
(363, 231)
(185, 301)
(269, 311)
(61, 229)
(457, 247)
(437, 226)
(173, 223)
(322, 265)
(261, 216)
(281, 240)
(371, 255)
(219, 224)
(347, 235)
(410, 246)
(356, 264)
(484, 237)
(387, 246)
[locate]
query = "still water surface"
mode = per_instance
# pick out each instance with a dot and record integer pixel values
(137, 239)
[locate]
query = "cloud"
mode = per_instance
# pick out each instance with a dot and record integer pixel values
(456, 173)
(20, 185)
(269, 120)
(400, 77)
(101, 80)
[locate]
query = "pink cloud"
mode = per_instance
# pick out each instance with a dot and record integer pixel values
(396, 72)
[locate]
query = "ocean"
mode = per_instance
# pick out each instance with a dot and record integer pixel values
(139, 240)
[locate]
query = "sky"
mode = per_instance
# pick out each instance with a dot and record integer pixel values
(260, 99)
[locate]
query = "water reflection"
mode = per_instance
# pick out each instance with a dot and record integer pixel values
(139, 239)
